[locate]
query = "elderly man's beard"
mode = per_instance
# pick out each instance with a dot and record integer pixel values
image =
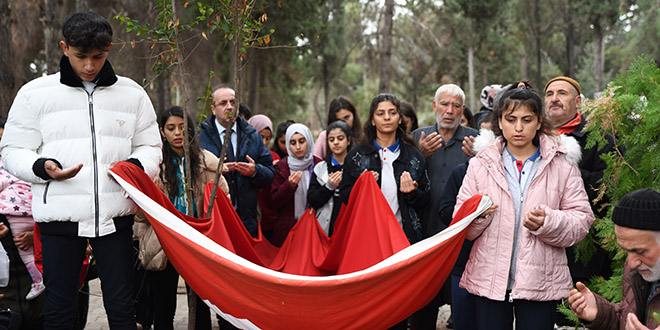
(655, 272)
(438, 120)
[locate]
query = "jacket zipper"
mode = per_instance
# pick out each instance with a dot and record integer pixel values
(95, 163)
(46, 191)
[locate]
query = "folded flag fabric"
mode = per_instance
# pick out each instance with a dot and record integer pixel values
(366, 275)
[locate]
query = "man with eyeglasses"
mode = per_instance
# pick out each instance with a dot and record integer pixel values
(442, 145)
(249, 163)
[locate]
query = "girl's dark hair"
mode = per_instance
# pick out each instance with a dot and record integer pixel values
(468, 115)
(167, 168)
(409, 111)
(3, 121)
(370, 130)
(343, 102)
(281, 131)
(343, 126)
(87, 31)
(483, 116)
(519, 94)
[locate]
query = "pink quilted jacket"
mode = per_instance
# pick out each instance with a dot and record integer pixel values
(542, 272)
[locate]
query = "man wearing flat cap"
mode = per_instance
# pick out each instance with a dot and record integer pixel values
(562, 101)
(637, 226)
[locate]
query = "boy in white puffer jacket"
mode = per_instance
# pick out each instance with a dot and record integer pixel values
(63, 134)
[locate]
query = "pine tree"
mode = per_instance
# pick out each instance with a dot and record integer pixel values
(629, 111)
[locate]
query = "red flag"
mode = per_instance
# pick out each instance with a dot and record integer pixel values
(365, 276)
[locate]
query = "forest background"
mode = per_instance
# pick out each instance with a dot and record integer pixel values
(318, 50)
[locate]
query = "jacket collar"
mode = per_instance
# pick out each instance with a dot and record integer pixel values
(579, 132)
(549, 146)
(68, 77)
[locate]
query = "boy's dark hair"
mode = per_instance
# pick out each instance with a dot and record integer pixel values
(87, 31)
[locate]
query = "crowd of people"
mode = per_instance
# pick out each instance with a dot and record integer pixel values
(526, 151)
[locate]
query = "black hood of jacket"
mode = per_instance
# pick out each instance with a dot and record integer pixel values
(68, 77)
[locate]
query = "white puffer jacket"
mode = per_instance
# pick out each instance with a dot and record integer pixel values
(49, 119)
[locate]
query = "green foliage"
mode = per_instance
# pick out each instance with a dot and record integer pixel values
(568, 314)
(629, 111)
(213, 16)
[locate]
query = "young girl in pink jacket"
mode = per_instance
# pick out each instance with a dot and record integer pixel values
(16, 205)
(518, 265)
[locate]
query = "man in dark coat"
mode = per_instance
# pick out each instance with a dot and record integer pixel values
(443, 146)
(562, 100)
(249, 163)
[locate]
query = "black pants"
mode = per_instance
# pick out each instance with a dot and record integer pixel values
(427, 317)
(496, 315)
(163, 294)
(62, 261)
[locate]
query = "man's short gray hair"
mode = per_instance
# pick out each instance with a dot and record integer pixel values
(452, 90)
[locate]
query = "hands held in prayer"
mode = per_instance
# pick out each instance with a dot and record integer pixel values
(335, 178)
(59, 174)
(534, 219)
(244, 168)
(429, 144)
(295, 178)
(408, 185)
(468, 145)
(583, 302)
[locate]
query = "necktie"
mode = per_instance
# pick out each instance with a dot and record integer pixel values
(230, 147)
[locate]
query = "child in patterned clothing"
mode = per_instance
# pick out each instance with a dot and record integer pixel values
(15, 204)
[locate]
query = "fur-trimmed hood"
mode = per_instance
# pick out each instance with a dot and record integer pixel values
(567, 145)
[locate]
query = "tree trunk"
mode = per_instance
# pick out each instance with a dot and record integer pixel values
(253, 69)
(7, 80)
(386, 48)
(484, 72)
(326, 90)
(471, 99)
(570, 39)
(538, 79)
(599, 49)
(233, 63)
(51, 27)
(163, 100)
(524, 75)
(82, 6)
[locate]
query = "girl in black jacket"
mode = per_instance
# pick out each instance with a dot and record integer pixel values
(323, 194)
(397, 165)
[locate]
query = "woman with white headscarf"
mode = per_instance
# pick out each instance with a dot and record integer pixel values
(292, 176)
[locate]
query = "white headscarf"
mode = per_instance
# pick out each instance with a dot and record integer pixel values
(300, 164)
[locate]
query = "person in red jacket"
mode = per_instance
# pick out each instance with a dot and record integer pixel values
(292, 176)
